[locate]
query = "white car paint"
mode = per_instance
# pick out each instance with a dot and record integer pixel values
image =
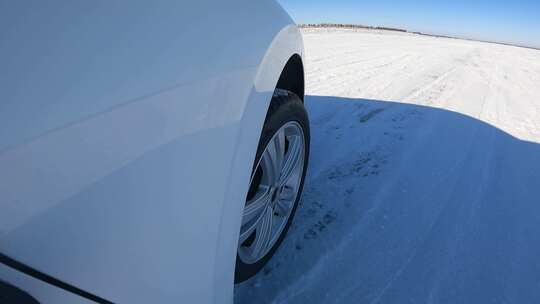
(127, 134)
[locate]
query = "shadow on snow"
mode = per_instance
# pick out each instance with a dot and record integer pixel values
(409, 203)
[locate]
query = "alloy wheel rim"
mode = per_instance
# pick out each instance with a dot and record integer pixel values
(274, 188)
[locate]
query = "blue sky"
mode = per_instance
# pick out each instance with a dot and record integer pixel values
(505, 21)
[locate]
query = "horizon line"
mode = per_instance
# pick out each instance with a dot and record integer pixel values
(396, 29)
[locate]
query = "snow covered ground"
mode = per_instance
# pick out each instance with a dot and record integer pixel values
(424, 178)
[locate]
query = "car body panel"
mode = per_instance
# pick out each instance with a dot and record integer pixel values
(127, 135)
(47, 293)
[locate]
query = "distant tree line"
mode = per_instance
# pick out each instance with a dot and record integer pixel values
(359, 26)
(350, 26)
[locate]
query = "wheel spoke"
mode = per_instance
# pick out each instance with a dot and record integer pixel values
(264, 232)
(269, 167)
(244, 235)
(255, 206)
(279, 144)
(273, 157)
(292, 158)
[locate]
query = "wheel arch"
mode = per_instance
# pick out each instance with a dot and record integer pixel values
(292, 76)
(277, 69)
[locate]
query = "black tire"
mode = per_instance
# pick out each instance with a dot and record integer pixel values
(285, 107)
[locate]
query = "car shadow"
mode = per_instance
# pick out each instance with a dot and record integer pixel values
(404, 201)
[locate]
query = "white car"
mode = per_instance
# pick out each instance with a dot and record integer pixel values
(150, 151)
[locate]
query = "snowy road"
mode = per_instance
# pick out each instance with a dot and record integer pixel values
(424, 179)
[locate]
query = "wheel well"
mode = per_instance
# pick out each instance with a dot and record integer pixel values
(292, 76)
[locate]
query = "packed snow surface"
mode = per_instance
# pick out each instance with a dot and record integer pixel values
(424, 176)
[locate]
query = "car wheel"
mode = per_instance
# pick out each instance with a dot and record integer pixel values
(276, 183)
